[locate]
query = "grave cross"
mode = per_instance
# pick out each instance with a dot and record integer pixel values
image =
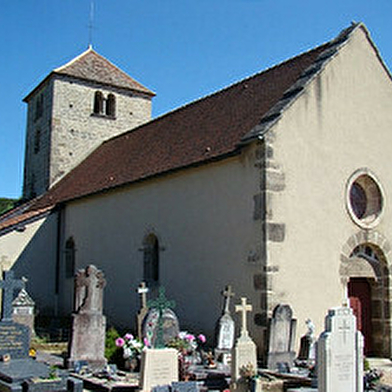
(227, 293)
(9, 285)
(243, 308)
(160, 304)
(143, 290)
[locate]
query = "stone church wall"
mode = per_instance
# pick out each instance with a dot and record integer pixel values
(36, 175)
(76, 131)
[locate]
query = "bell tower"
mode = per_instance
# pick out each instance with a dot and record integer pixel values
(72, 111)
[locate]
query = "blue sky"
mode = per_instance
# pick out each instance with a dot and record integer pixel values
(180, 49)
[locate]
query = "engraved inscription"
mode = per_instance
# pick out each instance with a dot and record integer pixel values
(14, 340)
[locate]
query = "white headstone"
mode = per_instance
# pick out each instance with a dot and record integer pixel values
(244, 352)
(340, 353)
(158, 367)
(226, 333)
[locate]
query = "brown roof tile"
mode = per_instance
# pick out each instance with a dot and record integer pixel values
(207, 129)
(200, 131)
(93, 67)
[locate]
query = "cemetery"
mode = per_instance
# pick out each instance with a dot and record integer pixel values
(224, 260)
(156, 355)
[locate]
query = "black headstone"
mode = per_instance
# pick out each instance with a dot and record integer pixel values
(14, 340)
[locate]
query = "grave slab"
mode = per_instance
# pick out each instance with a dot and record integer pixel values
(158, 367)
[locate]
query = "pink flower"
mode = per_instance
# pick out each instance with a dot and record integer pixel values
(202, 338)
(128, 336)
(146, 343)
(120, 342)
(189, 337)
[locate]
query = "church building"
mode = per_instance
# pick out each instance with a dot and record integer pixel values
(278, 185)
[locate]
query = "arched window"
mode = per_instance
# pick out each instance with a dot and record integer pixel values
(111, 105)
(98, 102)
(70, 258)
(151, 260)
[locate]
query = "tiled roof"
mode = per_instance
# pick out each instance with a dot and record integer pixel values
(18, 216)
(208, 129)
(93, 67)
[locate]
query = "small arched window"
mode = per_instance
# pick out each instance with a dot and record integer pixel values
(111, 105)
(70, 258)
(151, 260)
(98, 102)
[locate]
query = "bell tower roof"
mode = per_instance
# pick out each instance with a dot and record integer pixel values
(91, 66)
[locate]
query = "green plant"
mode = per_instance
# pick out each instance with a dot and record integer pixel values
(113, 353)
(6, 204)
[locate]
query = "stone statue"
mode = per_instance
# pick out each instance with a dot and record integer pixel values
(89, 284)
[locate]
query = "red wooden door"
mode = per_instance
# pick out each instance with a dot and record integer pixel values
(360, 301)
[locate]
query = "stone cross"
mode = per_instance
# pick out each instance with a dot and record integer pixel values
(9, 285)
(243, 308)
(160, 304)
(142, 291)
(227, 293)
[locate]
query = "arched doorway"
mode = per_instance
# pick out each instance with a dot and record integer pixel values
(367, 276)
(359, 294)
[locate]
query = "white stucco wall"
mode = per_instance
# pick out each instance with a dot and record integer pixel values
(204, 219)
(341, 123)
(31, 253)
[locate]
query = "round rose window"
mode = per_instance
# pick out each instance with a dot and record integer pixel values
(365, 201)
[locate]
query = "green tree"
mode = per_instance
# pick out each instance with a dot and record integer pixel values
(6, 204)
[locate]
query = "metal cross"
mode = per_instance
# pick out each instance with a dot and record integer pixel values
(9, 285)
(160, 304)
(143, 290)
(227, 293)
(243, 308)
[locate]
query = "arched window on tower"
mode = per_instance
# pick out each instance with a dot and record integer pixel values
(111, 105)
(98, 103)
(70, 258)
(151, 260)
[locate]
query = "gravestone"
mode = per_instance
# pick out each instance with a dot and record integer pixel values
(159, 367)
(185, 386)
(17, 370)
(14, 337)
(340, 353)
(226, 324)
(142, 291)
(88, 322)
(281, 352)
(23, 310)
(161, 323)
(244, 352)
(307, 350)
